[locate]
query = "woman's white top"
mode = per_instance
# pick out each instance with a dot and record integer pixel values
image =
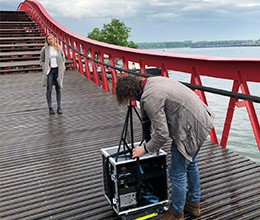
(53, 57)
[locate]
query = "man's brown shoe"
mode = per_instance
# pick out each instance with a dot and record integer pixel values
(193, 208)
(172, 215)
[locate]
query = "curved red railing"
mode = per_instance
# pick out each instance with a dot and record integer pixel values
(86, 51)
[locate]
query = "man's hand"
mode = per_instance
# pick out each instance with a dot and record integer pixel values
(138, 151)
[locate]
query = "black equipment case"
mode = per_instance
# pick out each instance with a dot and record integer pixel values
(132, 185)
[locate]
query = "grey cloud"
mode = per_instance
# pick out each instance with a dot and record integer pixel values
(92, 8)
(159, 19)
(198, 9)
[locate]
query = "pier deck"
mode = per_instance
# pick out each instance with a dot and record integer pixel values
(50, 166)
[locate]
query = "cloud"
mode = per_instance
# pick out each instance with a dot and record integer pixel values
(163, 9)
(155, 20)
(91, 9)
(204, 9)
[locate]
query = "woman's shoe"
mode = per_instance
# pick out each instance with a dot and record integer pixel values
(51, 111)
(59, 110)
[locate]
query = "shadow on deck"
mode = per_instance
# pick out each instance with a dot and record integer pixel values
(51, 165)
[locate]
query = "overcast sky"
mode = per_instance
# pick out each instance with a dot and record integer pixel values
(159, 20)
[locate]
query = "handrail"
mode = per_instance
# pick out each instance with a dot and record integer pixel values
(84, 51)
(146, 75)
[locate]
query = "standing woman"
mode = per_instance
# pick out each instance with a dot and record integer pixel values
(52, 60)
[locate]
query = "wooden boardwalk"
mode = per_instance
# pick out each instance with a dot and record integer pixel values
(50, 166)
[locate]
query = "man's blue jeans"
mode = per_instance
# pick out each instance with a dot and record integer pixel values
(52, 80)
(182, 169)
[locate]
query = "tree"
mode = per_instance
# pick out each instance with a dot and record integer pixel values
(95, 34)
(116, 33)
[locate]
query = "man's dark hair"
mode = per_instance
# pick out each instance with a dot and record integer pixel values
(128, 88)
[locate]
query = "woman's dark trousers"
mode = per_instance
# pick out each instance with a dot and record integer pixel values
(52, 80)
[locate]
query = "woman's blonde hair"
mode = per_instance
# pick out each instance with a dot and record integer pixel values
(55, 44)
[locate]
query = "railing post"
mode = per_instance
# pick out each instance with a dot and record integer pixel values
(195, 79)
(94, 69)
(125, 63)
(229, 116)
(87, 71)
(114, 74)
(79, 58)
(73, 52)
(250, 109)
(68, 48)
(105, 85)
(142, 66)
(164, 71)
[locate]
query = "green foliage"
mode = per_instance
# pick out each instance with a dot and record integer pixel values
(95, 34)
(116, 33)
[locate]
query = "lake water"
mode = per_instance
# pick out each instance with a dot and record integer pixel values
(241, 138)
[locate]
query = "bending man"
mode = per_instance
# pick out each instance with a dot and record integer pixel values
(175, 111)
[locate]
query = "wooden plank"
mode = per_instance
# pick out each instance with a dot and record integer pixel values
(21, 38)
(21, 70)
(20, 58)
(34, 52)
(21, 34)
(19, 28)
(20, 63)
(21, 45)
(18, 22)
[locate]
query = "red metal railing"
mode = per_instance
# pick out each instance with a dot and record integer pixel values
(83, 52)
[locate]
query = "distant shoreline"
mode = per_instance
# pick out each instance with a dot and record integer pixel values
(213, 46)
(199, 44)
